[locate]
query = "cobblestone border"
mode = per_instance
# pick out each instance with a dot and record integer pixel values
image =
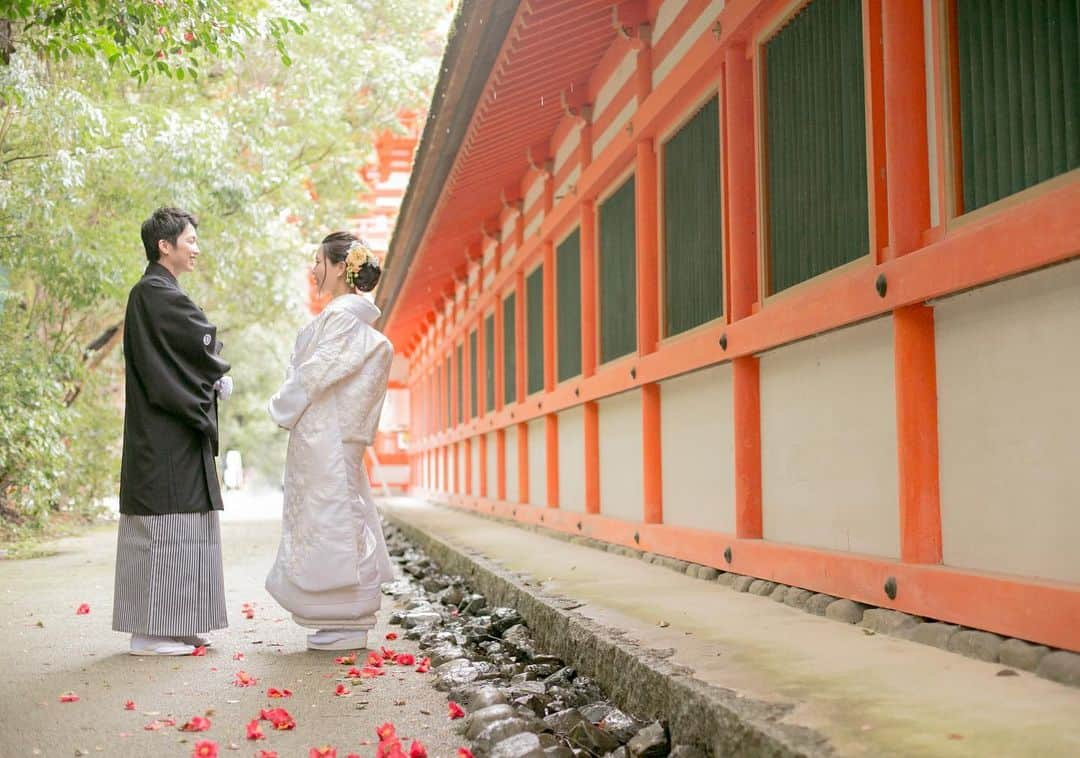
(641, 680)
(1057, 665)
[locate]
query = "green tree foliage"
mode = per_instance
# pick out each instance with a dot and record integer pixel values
(263, 145)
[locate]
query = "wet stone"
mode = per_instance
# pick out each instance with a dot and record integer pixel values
(596, 712)
(1061, 666)
(845, 610)
(481, 719)
(441, 655)
(983, 646)
(435, 583)
(519, 638)
(456, 672)
(503, 619)
(484, 697)
(796, 597)
(559, 751)
(536, 704)
(495, 733)
(542, 670)
(742, 583)
(1021, 655)
(414, 619)
(563, 721)
(419, 603)
(524, 745)
(620, 725)
(592, 738)
(650, 742)
(818, 603)
(762, 587)
(491, 647)
(528, 688)
(562, 677)
(453, 596)
(619, 752)
(396, 618)
(472, 604)
(885, 621)
(687, 751)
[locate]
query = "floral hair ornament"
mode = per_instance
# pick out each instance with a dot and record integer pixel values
(358, 256)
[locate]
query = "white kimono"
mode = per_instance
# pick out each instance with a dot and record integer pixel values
(332, 557)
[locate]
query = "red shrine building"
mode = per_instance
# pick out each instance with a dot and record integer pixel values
(786, 287)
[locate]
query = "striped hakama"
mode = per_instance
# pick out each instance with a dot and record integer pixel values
(169, 579)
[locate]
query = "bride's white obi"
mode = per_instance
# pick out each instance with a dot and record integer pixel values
(332, 557)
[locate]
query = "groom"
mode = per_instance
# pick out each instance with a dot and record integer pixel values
(169, 586)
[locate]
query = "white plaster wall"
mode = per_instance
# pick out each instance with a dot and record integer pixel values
(463, 450)
(537, 465)
(692, 34)
(572, 460)
(571, 180)
(614, 83)
(669, 10)
(621, 489)
(698, 450)
(615, 126)
(566, 149)
(492, 467)
(511, 465)
(1008, 368)
(533, 226)
(475, 444)
(828, 441)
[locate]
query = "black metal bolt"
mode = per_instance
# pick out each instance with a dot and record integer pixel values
(577, 391)
(881, 285)
(579, 526)
(541, 516)
(633, 373)
(723, 342)
(637, 538)
(890, 587)
(727, 554)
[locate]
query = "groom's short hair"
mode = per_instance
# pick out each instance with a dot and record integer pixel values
(166, 223)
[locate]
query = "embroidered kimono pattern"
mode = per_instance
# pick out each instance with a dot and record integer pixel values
(332, 556)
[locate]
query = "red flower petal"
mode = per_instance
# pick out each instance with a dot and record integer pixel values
(129, 705)
(69, 697)
(342, 691)
(464, 752)
(370, 672)
(374, 659)
(455, 710)
(275, 692)
(424, 666)
(196, 724)
(279, 718)
(322, 752)
(404, 659)
(82, 610)
(244, 679)
(353, 673)
(346, 660)
(254, 730)
(388, 655)
(199, 651)
(205, 749)
(386, 732)
(390, 748)
(352, 755)
(156, 724)
(391, 635)
(238, 656)
(417, 750)
(267, 754)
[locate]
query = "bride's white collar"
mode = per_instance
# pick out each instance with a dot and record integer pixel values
(361, 306)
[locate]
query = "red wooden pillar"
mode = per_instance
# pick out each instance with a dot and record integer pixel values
(742, 224)
(648, 326)
(908, 200)
(591, 410)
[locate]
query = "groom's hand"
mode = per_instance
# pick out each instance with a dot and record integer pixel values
(224, 387)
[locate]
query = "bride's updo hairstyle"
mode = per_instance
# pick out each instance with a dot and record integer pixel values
(362, 270)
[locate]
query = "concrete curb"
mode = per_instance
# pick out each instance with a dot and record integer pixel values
(639, 680)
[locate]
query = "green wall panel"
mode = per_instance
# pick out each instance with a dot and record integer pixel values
(693, 255)
(1019, 64)
(815, 135)
(489, 363)
(459, 362)
(474, 377)
(568, 305)
(534, 330)
(509, 350)
(617, 275)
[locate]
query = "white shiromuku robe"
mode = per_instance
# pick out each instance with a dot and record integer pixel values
(332, 557)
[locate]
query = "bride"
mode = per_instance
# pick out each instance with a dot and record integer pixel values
(332, 557)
